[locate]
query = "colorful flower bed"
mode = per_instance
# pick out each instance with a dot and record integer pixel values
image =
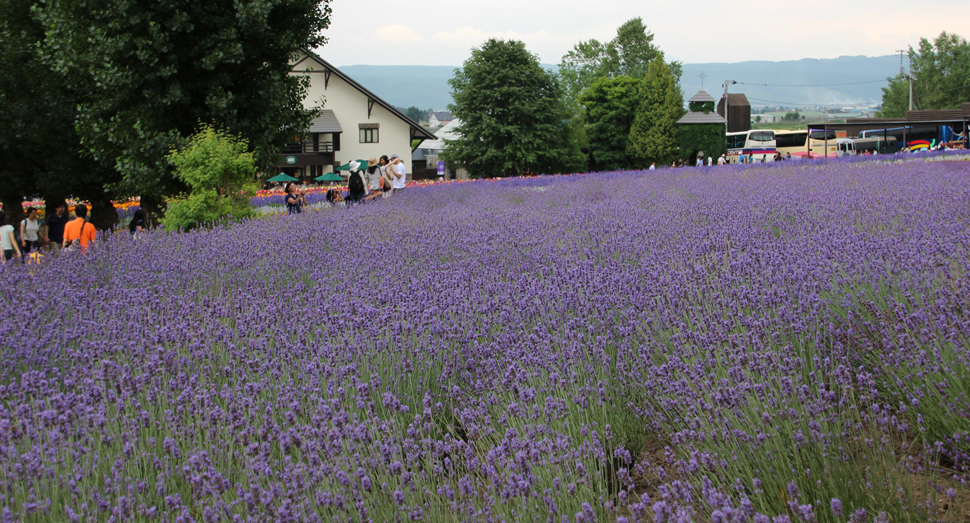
(783, 343)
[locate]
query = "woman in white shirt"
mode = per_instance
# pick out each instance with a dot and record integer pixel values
(8, 244)
(29, 228)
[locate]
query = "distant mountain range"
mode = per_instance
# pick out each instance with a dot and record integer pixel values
(846, 80)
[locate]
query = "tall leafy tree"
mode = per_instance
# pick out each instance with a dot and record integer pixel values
(942, 77)
(653, 136)
(511, 114)
(149, 72)
(39, 148)
(611, 106)
(629, 53)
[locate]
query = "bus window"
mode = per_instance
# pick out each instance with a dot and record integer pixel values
(824, 135)
(762, 136)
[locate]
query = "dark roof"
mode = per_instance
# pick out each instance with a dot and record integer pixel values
(442, 116)
(417, 132)
(701, 96)
(736, 99)
(710, 117)
(326, 123)
(881, 123)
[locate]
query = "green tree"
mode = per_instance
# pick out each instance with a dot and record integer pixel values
(222, 175)
(511, 114)
(147, 71)
(791, 116)
(611, 106)
(941, 71)
(38, 143)
(418, 115)
(653, 135)
(628, 54)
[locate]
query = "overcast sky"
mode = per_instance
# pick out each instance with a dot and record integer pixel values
(442, 32)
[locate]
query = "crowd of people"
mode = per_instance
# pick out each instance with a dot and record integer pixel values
(380, 179)
(32, 238)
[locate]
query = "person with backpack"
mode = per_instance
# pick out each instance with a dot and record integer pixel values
(78, 234)
(356, 183)
(8, 243)
(29, 229)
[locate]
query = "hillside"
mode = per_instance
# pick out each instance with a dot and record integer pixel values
(427, 86)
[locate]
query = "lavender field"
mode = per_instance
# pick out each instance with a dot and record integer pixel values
(783, 343)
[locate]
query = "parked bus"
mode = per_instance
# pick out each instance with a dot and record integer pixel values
(759, 143)
(793, 142)
(877, 145)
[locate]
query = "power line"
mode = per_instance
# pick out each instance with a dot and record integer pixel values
(804, 104)
(814, 85)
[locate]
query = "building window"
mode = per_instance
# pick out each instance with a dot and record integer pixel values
(369, 132)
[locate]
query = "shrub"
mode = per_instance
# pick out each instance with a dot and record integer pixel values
(220, 171)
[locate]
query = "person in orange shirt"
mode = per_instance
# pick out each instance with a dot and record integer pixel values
(79, 229)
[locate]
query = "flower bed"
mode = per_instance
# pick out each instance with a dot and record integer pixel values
(720, 344)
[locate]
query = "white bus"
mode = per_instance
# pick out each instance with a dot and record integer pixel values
(757, 143)
(793, 142)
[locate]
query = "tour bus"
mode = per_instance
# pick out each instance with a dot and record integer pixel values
(875, 145)
(793, 142)
(760, 143)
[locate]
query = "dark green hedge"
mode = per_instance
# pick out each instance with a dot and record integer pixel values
(709, 138)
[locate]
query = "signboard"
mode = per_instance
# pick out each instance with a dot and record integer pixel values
(291, 160)
(441, 168)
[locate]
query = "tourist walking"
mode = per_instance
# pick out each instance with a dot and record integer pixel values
(29, 229)
(78, 233)
(55, 227)
(294, 199)
(8, 244)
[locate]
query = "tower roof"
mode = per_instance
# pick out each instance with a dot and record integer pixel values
(701, 96)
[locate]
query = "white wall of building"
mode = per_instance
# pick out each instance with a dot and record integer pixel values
(349, 105)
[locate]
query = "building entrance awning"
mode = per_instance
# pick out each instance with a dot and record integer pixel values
(326, 123)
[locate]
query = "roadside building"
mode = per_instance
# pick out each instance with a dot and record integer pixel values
(355, 124)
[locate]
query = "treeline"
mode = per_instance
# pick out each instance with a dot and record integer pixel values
(941, 77)
(94, 97)
(612, 105)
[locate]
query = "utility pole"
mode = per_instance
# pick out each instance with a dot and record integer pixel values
(727, 125)
(900, 51)
(910, 76)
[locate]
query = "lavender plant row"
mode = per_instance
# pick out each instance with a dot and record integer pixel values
(727, 344)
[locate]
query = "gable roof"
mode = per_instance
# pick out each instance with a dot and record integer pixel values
(417, 132)
(445, 133)
(442, 116)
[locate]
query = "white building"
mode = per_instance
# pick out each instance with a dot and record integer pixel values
(355, 124)
(439, 118)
